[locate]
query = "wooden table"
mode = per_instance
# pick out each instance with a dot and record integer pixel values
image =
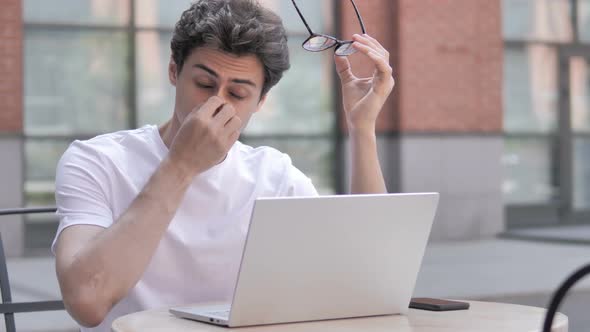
(482, 316)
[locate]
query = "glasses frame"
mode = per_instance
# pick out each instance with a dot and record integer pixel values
(337, 42)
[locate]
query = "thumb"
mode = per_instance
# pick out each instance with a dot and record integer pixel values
(343, 68)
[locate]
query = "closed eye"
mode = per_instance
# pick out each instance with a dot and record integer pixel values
(204, 86)
(238, 97)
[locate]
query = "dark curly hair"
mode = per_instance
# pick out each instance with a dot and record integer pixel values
(239, 27)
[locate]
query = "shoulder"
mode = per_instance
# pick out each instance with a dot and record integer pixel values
(265, 157)
(104, 158)
(111, 146)
(274, 166)
(112, 143)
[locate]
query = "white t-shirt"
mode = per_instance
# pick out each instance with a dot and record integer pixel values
(198, 257)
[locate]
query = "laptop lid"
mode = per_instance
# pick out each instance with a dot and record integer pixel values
(328, 257)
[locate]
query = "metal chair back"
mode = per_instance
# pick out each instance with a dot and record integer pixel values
(7, 307)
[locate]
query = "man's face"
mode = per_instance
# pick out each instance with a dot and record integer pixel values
(209, 72)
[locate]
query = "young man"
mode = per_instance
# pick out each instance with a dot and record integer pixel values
(156, 217)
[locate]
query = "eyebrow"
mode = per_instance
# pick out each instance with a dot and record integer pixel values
(213, 73)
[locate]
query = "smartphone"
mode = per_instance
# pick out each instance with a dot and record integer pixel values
(426, 303)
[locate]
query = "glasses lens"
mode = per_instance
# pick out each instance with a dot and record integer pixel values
(345, 49)
(318, 43)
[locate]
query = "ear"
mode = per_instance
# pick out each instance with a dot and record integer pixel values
(172, 72)
(261, 103)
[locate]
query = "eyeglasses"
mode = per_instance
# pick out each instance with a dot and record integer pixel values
(319, 42)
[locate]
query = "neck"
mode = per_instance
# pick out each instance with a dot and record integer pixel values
(168, 131)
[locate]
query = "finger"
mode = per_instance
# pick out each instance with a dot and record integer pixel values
(235, 123)
(365, 41)
(382, 65)
(225, 113)
(343, 68)
(368, 42)
(211, 106)
(233, 137)
(376, 42)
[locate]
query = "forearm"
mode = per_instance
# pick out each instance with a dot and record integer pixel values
(362, 100)
(111, 264)
(366, 176)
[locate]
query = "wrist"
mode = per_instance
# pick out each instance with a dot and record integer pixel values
(178, 170)
(361, 124)
(361, 131)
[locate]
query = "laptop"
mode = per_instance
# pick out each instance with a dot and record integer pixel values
(327, 257)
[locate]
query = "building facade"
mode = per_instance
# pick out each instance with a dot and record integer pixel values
(490, 106)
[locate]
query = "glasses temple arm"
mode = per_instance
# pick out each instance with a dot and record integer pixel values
(302, 18)
(358, 15)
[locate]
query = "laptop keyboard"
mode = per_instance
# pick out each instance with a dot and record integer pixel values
(220, 313)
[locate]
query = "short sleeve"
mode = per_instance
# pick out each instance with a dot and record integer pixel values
(81, 189)
(294, 182)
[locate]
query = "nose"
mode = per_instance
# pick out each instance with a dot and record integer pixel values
(222, 93)
(219, 92)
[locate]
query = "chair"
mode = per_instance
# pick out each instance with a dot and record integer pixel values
(7, 307)
(561, 293)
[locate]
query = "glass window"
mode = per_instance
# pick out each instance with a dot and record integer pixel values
(313, 156)
(580, 116)
(580, 94)
(159, 13)
(302, 101)
(529, 170)
(87, 12)
(546, 20)
(313, 11)
(75, 82)
(155, 94)
(41, 158)
(581, 164)
(584, 20)
(531, 95)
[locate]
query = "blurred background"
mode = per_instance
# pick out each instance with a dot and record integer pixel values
(491, 109)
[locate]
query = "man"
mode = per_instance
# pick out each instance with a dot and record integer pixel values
(157, 217)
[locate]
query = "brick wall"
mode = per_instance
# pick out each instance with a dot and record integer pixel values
(451, 65)
(447, 59)
(11, 83)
